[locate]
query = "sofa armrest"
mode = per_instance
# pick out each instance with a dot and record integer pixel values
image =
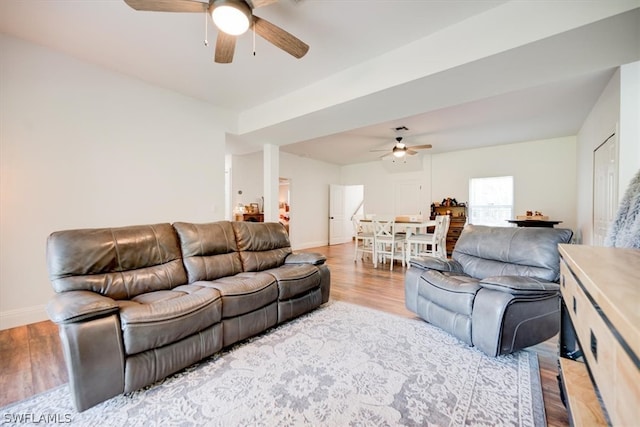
(77, 306)
(305, 258)
(438, 264)
(520, 285)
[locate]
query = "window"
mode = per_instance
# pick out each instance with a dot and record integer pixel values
(491, 200)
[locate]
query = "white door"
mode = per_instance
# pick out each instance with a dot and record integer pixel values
(337, 215)
(408, 198)
(605, 188)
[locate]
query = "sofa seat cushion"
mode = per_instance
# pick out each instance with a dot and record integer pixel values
(454, 293)
(295, 279)
(245, 292)
(158, 318)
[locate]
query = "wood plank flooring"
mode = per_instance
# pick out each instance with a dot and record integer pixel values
(31, 356)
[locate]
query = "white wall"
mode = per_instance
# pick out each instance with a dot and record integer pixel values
(247, 177)
(544, 176)
(543, 172)
(601, 122)
(380, 184)
(629, 125)
(617, 110)
(309, 191)
(310, 180)
(84, 147)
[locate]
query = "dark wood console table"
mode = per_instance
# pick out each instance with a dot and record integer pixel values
(533, 222)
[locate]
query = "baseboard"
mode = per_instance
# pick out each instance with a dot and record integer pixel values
(22, 316)
(308, 245)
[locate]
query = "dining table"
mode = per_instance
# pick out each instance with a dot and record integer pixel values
(409, 225)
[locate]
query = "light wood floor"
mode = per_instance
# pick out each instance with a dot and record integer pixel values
(31, 357)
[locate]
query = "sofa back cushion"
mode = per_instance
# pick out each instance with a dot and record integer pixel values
(116, 262)
(507, 251)
(262, 245)
(209, 250)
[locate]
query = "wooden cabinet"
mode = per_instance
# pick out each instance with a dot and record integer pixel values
(458, 220)
(250, 217)
(600, 334)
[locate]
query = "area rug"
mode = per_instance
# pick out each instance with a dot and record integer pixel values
(340, 365)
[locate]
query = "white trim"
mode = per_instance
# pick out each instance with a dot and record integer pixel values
(309, 245)
(22, 316)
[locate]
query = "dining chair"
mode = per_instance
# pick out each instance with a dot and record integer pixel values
(442, 244)
(364, 237)
(429, 244)
(388, 245)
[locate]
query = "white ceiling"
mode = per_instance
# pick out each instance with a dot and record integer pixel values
(363, 72)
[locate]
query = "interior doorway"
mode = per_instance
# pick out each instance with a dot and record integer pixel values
(345, 201)
(284, 202)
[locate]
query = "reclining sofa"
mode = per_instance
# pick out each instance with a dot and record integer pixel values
(136, 304)
(498, 293)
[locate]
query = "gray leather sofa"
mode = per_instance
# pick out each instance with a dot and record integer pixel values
(136, 304)
(499, 292)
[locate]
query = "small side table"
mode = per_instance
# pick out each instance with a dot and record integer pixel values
(533, 223)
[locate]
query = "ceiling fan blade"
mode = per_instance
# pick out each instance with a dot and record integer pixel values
(411, 152)
(420, 147)
(168, 5)
(254, 4)
(279, 37)
(225, 47)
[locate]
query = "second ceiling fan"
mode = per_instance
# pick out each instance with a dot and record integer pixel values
(233, 18)
(400, 149)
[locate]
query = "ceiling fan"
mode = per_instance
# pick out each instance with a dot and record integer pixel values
(400, 149)
(233, 18)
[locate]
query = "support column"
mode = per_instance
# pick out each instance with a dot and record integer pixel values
(271, 159)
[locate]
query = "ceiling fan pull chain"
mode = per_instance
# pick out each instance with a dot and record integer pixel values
(206, 29)
(254, 38)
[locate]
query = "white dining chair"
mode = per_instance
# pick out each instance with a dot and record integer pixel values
(442, 244)
(429, 244)
(388, 245)
(364, 237)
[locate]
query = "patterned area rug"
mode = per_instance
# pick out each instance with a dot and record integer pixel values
(340, 365)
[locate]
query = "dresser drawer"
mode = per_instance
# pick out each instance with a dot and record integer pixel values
(599, 287)
(454, 232)
(597, 343)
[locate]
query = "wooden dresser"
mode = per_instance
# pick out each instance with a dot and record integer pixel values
(600, 334)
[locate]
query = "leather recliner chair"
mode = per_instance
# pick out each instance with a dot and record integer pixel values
(499, 292)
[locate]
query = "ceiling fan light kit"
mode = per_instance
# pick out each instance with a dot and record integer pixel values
(399, 151)
(231, 16)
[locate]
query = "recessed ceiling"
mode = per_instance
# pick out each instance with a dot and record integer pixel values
(373, 65)
(544, 112)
